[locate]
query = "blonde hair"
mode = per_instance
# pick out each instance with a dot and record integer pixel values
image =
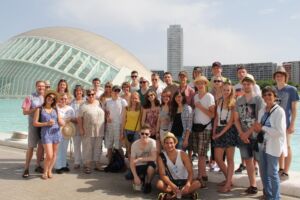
(138, 105)
(231, 98)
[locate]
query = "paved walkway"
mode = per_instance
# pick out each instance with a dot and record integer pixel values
(79, 186)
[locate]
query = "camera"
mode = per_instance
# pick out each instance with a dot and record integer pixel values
(223, 122)
(261, 137)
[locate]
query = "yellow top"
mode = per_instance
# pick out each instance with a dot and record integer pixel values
(133, 120)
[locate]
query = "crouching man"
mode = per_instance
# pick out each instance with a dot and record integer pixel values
(176, 173)
(142, 161)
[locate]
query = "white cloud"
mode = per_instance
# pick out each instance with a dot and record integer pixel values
(267, 11)
(203, 42)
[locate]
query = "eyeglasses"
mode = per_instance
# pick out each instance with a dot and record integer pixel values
(133, 76)
(91, 94)
(267, 94)
(218, 81)
(47, 86)
(145, 134)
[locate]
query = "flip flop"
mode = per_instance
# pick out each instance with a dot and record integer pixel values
(26, 173)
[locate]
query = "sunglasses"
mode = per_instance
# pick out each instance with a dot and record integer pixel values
(165, 96)
(117, 90)
(218, 81)
(267, 94)
(47, 86)
(143, 82)
(145, 134)
(91, 94)
(133, 76)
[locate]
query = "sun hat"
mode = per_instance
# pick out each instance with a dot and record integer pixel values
(68, 130)
(250, 78)
(280, 70)
(201, 78)
(170, 135)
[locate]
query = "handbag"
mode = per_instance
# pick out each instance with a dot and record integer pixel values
(199, 127)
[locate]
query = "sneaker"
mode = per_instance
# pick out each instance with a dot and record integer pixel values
(251, 190)
(284, 176)
(65, 169)
(280, 171)
(59, 171)
(147, 188)
(240, 169)
(39, 169)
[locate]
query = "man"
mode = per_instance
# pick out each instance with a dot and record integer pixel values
(172, 87)
(155, 85)
(288, 98)
(97, 88)
(144, 87)
(184, 87)
(134, 85)
(175, 171)
(197, 71)
(246, 113)
(47, 85)
(241, 74)
(142, 161)
(29, 106)
(114, 109)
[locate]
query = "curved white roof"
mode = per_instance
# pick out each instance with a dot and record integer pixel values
(93, 43)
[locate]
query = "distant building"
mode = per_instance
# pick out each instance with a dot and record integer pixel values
(260, 71)
(160, 73)
(293, 69)
(175, 49)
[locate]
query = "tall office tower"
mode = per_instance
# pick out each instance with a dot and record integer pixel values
(175, 49)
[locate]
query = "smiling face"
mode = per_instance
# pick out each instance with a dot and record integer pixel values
(63, 99)
(40, 87)
(62, 86)
(168, 79)
(241, 73)
(50, 99)
(78, 93)
(227, 90)
(269, 98)
(201, 86)
(169, 144)
(91, 96)
(144, 134)
(247, 86)
(96, 84)
(280, 78)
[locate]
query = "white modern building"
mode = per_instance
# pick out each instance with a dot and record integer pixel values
(62, 53)
(175, 49)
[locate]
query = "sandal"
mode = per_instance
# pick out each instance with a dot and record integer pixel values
(25, 173)
(45, 176)
(87, 170)
(202, 183)
(50, 175)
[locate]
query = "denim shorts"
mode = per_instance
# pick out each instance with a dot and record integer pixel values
(248, 152)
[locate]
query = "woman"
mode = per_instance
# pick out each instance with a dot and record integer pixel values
(131, 121)
(126, 91)
(271, 127)
(75, 104)
(182, 119)
(91, 126)
(49, 120)
(150, 112)
(63, 88)
(106, 94)
(68, 115)
(163, 124)
(224, 135)
(203, 114)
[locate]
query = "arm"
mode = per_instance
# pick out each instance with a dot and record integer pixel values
(60, 120)
(133, 162)
(163, 176)
(143, 117)
(188, 117)
(188, 165)
(291, 128)
(123, 123)
(36, 118)
(210, 112)
(158, 127)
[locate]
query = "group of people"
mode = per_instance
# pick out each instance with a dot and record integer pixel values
(167, 125)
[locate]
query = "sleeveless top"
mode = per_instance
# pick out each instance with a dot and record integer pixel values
(177, 170)
(133, 120)
(165, 119)
(223, 114)
(151, 119)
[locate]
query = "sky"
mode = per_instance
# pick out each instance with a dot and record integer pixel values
(229, 31)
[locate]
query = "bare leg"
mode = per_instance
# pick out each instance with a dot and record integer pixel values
(288, 159)
(201, 166)
(109, 154)
(230, 167)
(251, 171)
(194, 186)
(29, 154)
(54, 151)
(39, 154)
(219, 152)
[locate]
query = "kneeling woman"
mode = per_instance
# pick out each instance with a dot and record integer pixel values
(49, 120)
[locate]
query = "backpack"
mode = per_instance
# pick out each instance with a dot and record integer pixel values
(117, 163)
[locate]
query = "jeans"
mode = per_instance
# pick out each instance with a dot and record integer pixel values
(269, 175)
(61, 160)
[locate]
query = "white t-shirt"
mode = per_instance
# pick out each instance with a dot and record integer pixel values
(115, 108)
(207, 101)
(66, 112)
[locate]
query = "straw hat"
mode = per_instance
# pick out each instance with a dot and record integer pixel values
(68, 130)
(170, 135)
(280, 70)
(201, 79)
(250, 78)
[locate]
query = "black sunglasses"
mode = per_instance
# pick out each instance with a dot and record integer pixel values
(218, 81)
(146, 134)
(91, 94)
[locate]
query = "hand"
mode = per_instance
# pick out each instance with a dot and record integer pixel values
(185, 143)
(244, 137)
(186, 188)
(51, 122)
(257, 127)
(137, 180)
(291, 129)
(198, 104)
(214, 136)
(135, 161)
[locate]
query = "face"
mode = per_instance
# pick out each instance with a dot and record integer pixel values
(145, 133)
(108, 88)
(151, 96)
(50, 99)
(178, 99)
(168, 79)
(90, 96)
(248, 86)
(154, 80)
(134, 98)
(62, 86)
(96, 84)
(47, 87)
(217, 71)
(134, 76)
(165, 97)
(280, 78)
(218, 82)
(241, 74)
(115, 93)
(182, 78)
(200, 85)
(78, 93)
(196, 73)
(40, 88)
(269, 98)
(125, 89)
(227, 90)
(169, 144)
(143, 84)
(63, 100)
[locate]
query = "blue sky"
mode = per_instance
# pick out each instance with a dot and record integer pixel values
(230, 31)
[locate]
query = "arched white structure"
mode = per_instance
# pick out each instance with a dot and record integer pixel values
(62, 53)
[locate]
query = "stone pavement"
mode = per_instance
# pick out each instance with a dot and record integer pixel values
(76, 185)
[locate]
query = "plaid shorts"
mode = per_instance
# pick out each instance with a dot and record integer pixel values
(201, 142)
